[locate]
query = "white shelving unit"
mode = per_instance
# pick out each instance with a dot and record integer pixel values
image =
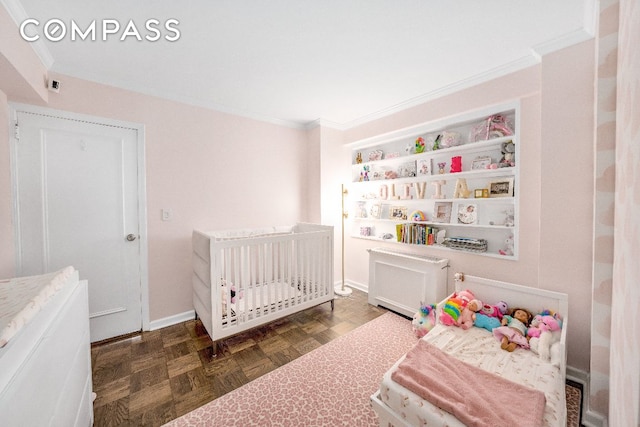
(402, 196)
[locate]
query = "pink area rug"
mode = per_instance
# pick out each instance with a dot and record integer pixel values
(329, 386)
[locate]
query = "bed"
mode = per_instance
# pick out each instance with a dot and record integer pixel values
(246, 278)
(45, 359)
(476, 348)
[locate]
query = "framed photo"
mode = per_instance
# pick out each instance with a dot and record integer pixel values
(501, 188)
(398, 212)
(467, 213)
(424, 167)
(442, 212)
(480, 162)
(375, 211)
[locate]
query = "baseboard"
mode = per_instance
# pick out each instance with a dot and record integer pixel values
(172, 320)
(590, 418)
(354, 285)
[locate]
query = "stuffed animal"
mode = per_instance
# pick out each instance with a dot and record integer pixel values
(543, 323)
(453, 307)
(466, 296)
(424, 320)
(467, 316)
(498, 310)
(486, 322)
(544, 346)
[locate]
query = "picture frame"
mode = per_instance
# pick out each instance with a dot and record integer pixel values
(480, 162)
(502, 187)
(375, 211)
(398, 213)
(478, 193)
(467, 213)
(423, 167)
(442, 212)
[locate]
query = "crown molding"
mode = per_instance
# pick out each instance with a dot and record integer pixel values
(15, 9)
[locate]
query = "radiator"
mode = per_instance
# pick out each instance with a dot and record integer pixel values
(401, 281)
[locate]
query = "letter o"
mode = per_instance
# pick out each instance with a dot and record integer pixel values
(48, 31)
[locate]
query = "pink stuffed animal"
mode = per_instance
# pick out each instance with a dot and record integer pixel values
(498, 310)
(543, 323)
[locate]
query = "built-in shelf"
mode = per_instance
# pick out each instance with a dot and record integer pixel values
(464, 192)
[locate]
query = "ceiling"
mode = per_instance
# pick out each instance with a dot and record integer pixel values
(297, 61)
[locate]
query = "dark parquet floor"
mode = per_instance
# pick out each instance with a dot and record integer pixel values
(151, 378)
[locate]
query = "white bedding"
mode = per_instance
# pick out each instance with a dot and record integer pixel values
(478, 347)
(22, 298)
(258, 300)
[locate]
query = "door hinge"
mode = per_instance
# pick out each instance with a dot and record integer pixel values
(16, 131)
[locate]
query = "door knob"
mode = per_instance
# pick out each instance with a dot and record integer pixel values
(131, 237)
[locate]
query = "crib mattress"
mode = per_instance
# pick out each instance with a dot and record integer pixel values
(478, 347)
(23, 297)
(260, 299)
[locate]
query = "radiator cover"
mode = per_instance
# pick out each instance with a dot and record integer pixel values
(400, 281)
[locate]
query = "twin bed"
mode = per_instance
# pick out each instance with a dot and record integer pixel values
(473, 389)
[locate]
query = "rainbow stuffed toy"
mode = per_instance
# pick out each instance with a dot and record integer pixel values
(453, 307)
(451, 311)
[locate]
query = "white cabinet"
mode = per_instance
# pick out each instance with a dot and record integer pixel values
(452, 184)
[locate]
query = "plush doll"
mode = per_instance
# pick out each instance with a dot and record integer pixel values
(543, 323)
(513, 332)
(487, 322)
(498, 310)
(465, 296)
(424, 320)
(468, 314)
(545, 330)
(453, 307)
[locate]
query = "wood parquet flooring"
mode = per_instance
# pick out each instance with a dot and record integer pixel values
(151, 378)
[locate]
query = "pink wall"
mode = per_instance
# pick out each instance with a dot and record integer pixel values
(214, 170)
(556, 170)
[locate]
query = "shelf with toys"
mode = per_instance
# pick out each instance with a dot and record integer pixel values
(451, 187)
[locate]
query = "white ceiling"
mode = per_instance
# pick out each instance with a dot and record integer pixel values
(297, 61)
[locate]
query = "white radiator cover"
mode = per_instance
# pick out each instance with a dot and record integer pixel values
(400, 281)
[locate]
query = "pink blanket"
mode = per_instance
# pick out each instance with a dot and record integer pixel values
(474, 396)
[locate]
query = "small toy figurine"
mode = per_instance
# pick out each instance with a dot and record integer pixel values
(420, 145)
(436, 143)
(358, 158)
(441, 167)
(513, 332)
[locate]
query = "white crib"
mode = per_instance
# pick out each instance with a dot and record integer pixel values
(246, 278)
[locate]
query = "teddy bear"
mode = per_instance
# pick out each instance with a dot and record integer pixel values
(424, 320)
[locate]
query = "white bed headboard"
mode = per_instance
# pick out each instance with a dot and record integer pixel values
(534, 299)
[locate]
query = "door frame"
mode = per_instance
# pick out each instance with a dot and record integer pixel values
(14, 109)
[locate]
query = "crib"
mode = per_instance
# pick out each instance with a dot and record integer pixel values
(246, 278)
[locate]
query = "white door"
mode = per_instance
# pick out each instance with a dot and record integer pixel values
(77, 203)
